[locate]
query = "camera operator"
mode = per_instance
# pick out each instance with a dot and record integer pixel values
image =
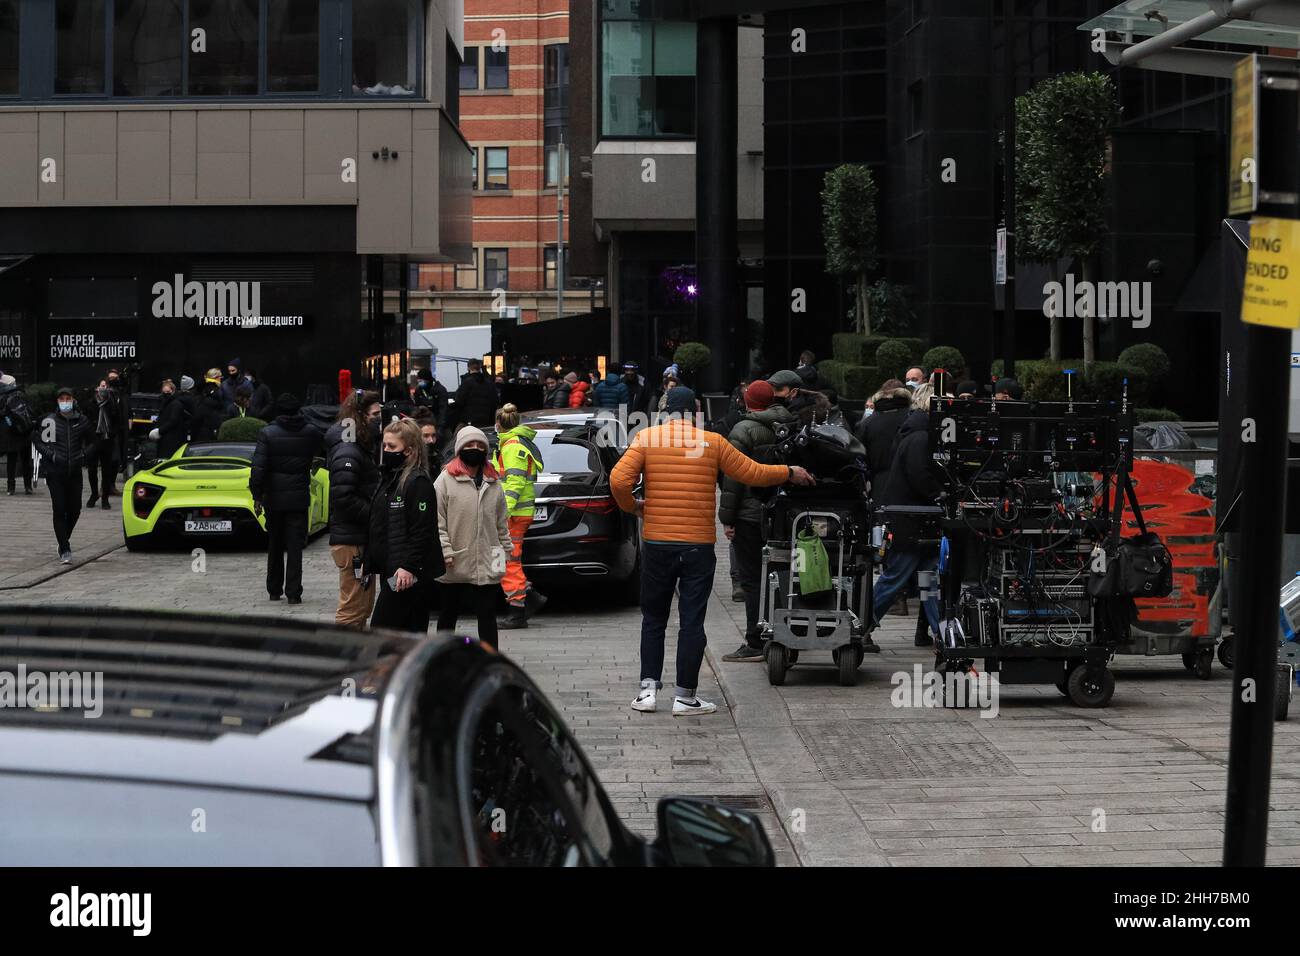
(911, 481)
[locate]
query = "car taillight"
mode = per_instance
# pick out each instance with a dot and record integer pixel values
(144, 498)
(598, 506)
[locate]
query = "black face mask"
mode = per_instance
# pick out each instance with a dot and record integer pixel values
(473, 457)
(393, 460)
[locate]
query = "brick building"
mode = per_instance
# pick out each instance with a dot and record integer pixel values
(514, 112)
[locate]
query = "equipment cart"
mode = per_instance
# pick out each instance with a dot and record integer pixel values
(835, 620)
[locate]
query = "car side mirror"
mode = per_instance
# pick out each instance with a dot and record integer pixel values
(698, 833)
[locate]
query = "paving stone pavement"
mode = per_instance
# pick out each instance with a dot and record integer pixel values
(838, 775)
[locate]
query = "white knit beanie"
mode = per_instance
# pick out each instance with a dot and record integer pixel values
(467, 434)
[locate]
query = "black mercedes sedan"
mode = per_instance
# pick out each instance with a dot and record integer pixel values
(579, 535)
(171, 739)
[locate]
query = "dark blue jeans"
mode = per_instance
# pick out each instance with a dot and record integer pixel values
(688, 568)
(900, 566)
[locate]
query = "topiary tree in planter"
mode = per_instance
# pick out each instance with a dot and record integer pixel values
(690, 357)
(1152, 361)
(947, 358)
(890, 308)
(1062, 126)
(893, 359)
(849, 231)
(240, 429)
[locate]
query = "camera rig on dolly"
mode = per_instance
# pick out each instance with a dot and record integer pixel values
(1021, 531)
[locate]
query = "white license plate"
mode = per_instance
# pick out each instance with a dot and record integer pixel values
(208, 527)
(539, 514)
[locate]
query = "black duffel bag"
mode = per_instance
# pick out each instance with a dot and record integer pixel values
(1138, 566)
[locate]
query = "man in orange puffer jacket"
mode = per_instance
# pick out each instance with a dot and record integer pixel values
(578, 388)
(680, 462)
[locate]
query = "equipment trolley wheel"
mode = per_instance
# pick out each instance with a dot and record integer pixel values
(778, 662)
(1282, 693)
(1090, 685)
(1225, 652)
(1199, 662)
(847, 658)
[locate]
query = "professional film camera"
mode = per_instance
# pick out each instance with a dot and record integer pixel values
(817, 560)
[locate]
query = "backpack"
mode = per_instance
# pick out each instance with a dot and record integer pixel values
(18, 415)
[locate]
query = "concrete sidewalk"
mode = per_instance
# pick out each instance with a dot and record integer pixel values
(856, 780)
(28, 553)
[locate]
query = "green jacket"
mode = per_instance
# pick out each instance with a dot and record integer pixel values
(739, 503)
(518, 462)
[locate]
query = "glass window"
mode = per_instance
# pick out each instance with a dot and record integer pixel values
(385, 38)
(467, 274)
(473, 166)
(148, 39)
(469, 69)
(497, 161)
(79, 28)
(225, 63)
(293, 46)
(556, 76)
(496, 268)
(552, 136)
(8, 47)
(648, 78)
(497, 69)
(549, 267)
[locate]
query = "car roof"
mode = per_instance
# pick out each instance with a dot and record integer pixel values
(202, 700)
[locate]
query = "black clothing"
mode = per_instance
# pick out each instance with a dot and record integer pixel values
(407, 610)
(557, 397)
(911, 478)
(433, 396)
(209, 413)
(286, 537)
(19, 460)
(636, 394)
(878, 431)
(15, 441)
(174, 424)
(66, 454)
(101, 464)
(476, 400)
(481, 599)
(748, 543)
(281, 475)
(404, 528)
(65, 503)
(354, 477)
(262, 403)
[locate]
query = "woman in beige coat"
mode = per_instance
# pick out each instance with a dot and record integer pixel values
(475, 531)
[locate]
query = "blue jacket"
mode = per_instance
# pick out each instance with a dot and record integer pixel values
(610, 393)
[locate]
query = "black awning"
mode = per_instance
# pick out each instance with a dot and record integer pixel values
(584, 334)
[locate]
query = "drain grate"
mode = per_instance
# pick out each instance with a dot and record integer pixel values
(739, 801)
(865, 750)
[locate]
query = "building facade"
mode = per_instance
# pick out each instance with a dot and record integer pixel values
(183, 182)
(514, 89)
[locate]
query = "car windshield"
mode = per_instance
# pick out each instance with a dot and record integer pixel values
(242, 450)
(563, 454)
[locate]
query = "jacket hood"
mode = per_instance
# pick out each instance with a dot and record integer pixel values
(898, 398)
(292, 422)
(917, 421)
(461, 471)
(519, 431)
(776, 415)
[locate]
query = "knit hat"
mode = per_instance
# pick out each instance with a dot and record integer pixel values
(758, 396)
(288, 404)
(187, 384)
(571, 378)
(786, 379)
(468, 434)
(680, 400)
(1010, 386)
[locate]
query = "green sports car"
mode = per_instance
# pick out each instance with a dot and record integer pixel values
(200, 496)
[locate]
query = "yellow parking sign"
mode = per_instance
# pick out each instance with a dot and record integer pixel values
(1271, 295)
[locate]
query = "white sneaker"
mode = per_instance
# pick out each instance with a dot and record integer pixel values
(66, 557)
(684, 708)
(645, 701)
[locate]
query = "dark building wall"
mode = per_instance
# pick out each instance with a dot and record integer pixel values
(587, 257)
(823, 107)
(93, 272)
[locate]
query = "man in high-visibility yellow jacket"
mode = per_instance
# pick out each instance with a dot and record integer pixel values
(518, 462)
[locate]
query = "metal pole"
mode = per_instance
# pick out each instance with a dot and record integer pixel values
(559, 229)
(1009, 189)
(1268, 350)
